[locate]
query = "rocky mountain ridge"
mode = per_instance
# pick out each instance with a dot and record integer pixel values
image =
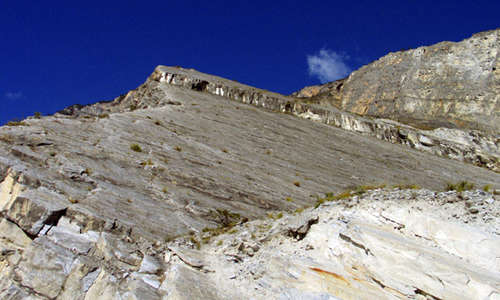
(472, 146)
(182, 190)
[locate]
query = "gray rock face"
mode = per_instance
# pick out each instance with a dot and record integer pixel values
(180, 190)
(478, 148)
(454, 85)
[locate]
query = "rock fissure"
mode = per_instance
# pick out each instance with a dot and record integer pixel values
(358, 245)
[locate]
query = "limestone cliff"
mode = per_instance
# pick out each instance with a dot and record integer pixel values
(176, 183)
(453, 85)
(197, 187)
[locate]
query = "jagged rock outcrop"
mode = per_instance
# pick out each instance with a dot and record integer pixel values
(454, 85)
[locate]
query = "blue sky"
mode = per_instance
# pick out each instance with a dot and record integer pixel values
(57, 53)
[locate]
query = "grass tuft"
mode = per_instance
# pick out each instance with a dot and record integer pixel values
(407, 186)
(357, 191)
(460, 186)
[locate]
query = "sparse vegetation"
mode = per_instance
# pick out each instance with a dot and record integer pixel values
(357, 191)
(296, 183)
(195, 242)
(158, 123)
(165, 190)
(487, 188)
(407, 186)
(178, 148)
(460, 186)
(299, 210)
(227, 221)
(289, 199)
(17, 123)
(103, 116)
(136, 148)
(275, 216)
(37, 115)
(148, 162)
(132, 107)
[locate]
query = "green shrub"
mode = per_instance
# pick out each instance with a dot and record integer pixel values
(136, 148)
(487, 188)
(460, 186)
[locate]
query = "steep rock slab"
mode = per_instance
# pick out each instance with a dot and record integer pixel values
(194, 160)
(470, 146)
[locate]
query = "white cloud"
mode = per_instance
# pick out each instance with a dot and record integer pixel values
(13, 95)
(328, 65)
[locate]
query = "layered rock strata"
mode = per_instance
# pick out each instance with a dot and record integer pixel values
(452, 85)
(470, 146)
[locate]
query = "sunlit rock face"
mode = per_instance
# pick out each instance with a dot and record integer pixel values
(454, 85)
(197, 187)
(472, 146)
